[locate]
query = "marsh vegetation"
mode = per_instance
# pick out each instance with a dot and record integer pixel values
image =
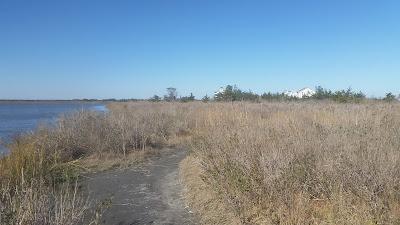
(302, 163)
(313, 162)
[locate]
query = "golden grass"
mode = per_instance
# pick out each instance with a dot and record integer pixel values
(94, 164)
(201, 198)
(303, 163)
(35, 203)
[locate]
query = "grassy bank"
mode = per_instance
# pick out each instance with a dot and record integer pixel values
(38, 178)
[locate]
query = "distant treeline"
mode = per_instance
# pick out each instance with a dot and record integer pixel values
(338, 96)
(233, 93)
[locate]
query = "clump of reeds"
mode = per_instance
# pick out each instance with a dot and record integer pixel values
(30, 189)
(124, 129)
(35, 203)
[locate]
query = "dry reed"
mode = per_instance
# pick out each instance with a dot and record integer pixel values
(303, 163)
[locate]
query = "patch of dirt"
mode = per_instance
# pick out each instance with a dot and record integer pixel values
(146, 194)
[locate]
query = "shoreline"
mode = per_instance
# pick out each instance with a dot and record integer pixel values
(24, 121)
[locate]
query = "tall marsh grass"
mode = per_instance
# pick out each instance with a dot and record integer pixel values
(303, 163)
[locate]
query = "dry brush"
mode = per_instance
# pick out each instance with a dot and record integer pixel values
(303, 163)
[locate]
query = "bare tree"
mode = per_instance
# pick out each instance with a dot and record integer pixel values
(171, 95)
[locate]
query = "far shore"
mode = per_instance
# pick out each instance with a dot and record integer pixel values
(103, 101)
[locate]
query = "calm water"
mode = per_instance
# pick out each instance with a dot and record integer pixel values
(17, 118)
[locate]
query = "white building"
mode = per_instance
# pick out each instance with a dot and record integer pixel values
(220, 91)
(302, 93)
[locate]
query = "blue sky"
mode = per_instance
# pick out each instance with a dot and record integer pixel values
(122, 49)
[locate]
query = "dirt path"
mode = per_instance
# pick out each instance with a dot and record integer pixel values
(148, 194)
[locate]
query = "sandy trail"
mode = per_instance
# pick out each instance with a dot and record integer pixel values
(147, 194)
